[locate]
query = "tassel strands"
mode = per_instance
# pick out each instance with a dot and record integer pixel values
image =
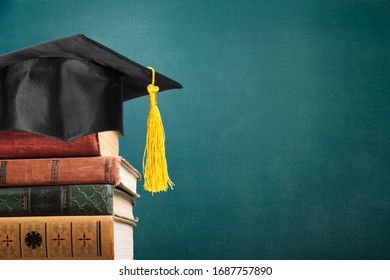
(155, 168)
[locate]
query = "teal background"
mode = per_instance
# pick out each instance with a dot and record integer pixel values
(279, 141)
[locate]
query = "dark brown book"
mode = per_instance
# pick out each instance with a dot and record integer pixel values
(113, 170)
(20, 144)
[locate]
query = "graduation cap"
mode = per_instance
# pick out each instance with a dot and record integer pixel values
(74, 86)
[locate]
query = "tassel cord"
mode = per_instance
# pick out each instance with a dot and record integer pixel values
(154, 163)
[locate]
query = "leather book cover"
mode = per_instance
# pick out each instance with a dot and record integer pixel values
(60, 171)
(57, 237)
(21, 144)
(57, 200)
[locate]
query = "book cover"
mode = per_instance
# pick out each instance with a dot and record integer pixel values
(21, 144)
(64, 237)
(65, 200)
(69, 171)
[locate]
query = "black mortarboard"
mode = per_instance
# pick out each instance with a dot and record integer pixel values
(70, 87)
(74, 86)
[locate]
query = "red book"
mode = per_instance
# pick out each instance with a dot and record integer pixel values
(114, 170)
(20, 144)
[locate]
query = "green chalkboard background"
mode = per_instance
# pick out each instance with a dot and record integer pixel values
(279, 143)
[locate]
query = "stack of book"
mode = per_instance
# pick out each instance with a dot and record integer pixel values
(65, 200)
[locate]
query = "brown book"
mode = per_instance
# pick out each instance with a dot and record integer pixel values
(20, 144)
(66, 237)
(69, 171)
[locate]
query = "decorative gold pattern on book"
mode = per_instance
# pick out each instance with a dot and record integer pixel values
(59, 241)
(54, 171)
(3, 172)
(9, 241)
(33, 238)
(53, 240)
(87, 239)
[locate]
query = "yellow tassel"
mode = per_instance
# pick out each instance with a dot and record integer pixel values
(155, 166)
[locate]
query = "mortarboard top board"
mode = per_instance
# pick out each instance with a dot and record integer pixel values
(70, 87)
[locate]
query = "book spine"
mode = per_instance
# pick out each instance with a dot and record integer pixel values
(57, 200)
(57, 237)
(20, 144)
(60, 171)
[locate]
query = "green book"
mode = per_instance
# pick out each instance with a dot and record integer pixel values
(66, 200)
